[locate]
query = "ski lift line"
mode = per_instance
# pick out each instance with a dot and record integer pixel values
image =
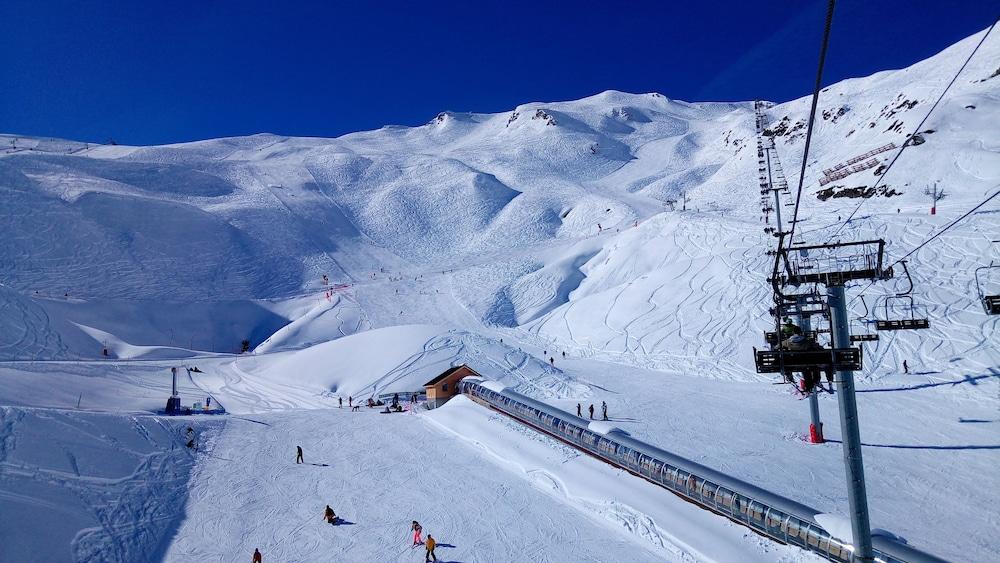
(915, 130)
(812, 111)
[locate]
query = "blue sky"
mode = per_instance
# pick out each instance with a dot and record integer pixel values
(151, 71)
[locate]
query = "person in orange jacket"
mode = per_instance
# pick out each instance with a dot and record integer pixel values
(430, 549)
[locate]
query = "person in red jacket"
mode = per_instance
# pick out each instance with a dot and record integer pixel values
(256, 556)
(417, 530)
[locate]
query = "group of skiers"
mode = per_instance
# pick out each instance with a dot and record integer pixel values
(604, 411)
(331, 517)
(395, 406)
(552, 359)
(429, 545)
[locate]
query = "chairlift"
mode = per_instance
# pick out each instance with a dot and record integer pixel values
(991, 302)
(863, 335)
(911, 323)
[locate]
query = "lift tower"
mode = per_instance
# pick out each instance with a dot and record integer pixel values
(830, 265)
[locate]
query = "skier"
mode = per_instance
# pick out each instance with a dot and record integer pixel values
(430, 549)
(417, 530)
(578, 410)
(604, 410)
(552, 361)
(906, 368)
(256, 556)
(208, 402)
(340, 402)
(329, 515)
(350, 401)
(298, 455)
(564, 354)
(591, 411)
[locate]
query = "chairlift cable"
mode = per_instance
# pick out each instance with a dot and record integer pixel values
(949, 226)
(915, 131)
(812, 115)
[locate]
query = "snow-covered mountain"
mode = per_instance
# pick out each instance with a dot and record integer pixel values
(623, 229)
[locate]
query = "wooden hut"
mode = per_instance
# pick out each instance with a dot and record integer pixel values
(445, 386)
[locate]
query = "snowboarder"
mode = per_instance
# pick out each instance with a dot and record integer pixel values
(395, 399)
(604, 410)
(552, 361)
(256, 556)
(298, 455)
(417, 530)
(906, 368)
(564, 354)
(430, 549)
(329, 515)
(591, 411)
(578, 413)
(340, 402)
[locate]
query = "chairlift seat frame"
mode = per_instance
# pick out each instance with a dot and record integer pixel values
(902, 324)
(866, 337)
(991, 303)
(911, 323)
(791, 361)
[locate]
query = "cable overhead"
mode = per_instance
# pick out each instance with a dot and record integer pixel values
(915, 131)
(812, 115)
(949, 226)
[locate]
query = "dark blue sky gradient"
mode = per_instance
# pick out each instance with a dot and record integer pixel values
(152, 71)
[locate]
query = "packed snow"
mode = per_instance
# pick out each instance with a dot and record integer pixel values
(605, 249)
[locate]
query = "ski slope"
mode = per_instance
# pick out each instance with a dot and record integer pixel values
(502, 241)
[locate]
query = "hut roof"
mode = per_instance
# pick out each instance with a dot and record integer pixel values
(448, 372)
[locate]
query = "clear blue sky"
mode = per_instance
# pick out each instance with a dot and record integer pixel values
(159, 71)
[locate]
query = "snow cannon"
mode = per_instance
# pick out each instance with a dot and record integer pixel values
(174, 402)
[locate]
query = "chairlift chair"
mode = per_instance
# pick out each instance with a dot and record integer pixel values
(911, 323)
(991, 302)
(863, 335)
